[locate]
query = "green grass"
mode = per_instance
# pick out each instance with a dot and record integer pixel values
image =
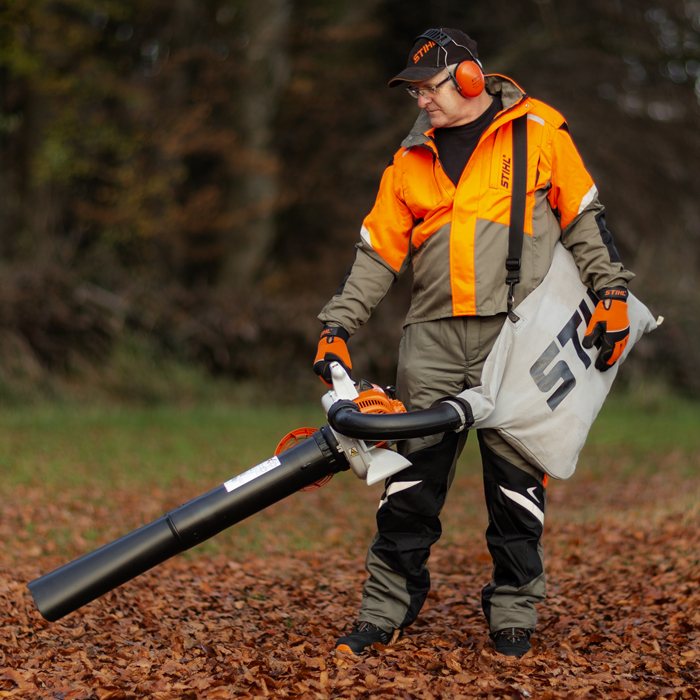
(64, 445)
(69, 444)
(92, 473)
(648, 422)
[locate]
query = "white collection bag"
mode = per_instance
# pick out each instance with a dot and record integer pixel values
(540, 389)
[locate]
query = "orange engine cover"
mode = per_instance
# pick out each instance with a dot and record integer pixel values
(375, 400)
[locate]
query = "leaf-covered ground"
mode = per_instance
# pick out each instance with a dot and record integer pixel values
(255, 613)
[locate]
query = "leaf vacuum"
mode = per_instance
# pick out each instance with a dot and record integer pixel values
(363, 423)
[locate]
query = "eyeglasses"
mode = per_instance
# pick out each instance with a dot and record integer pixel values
(431, 90)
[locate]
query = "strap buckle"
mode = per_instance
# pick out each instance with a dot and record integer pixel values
(513, 264)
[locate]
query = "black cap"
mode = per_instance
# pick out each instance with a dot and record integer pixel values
(433, 51)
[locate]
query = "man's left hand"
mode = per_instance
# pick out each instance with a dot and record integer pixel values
(609, 327)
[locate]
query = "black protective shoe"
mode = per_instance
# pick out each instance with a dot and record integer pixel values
(512, 641)
(362, 637)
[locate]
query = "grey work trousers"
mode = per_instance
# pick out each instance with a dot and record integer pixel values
(439, 359)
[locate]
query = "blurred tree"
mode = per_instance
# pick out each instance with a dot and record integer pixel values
(122, 129)
(257, 96)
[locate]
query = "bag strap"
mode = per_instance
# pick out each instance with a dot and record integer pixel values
(517, 210)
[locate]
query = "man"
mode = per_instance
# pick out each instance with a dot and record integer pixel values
(443, 208)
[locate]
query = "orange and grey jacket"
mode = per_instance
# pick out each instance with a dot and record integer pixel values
(456, 238)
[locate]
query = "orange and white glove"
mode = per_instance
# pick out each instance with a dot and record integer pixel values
(609, 327)
(332, 348)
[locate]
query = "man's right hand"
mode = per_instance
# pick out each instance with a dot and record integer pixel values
(332, 348)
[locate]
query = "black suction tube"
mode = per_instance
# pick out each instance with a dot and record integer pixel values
(450, 414)
(73, 585)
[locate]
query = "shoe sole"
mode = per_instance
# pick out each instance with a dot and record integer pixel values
(345, 649)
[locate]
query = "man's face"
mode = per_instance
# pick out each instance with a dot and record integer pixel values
(446, 107)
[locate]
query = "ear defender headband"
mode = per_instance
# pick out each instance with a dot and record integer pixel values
(468, 77)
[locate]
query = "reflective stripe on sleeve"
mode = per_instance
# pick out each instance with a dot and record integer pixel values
(588, 198)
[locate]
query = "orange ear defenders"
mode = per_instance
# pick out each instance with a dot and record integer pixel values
(468, 77)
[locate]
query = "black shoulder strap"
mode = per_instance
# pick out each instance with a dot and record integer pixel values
(517, 209)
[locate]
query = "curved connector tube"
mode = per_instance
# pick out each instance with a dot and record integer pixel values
(451, 414)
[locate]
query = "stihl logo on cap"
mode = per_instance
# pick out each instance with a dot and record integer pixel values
(422, 51)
